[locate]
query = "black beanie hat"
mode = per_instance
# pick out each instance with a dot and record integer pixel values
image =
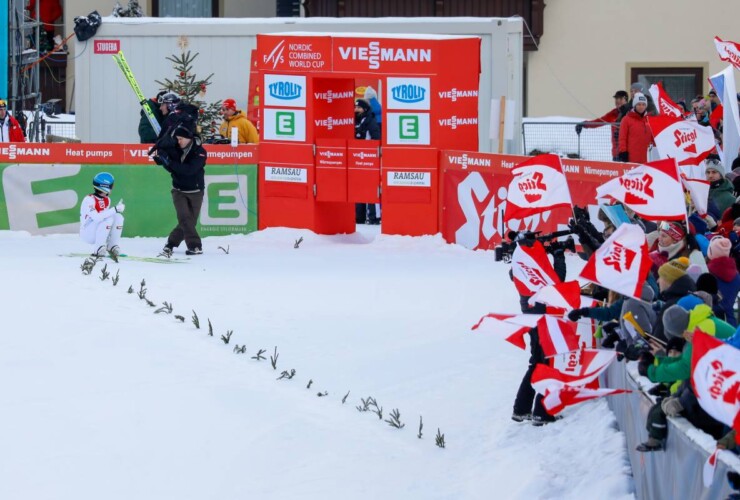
(706, 282)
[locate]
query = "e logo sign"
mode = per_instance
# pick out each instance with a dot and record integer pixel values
(225, 200)
(408, 128)
(285, 124)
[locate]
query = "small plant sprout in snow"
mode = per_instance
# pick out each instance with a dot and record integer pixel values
(181, 318)
(274, 358)
(395, 420)
(210, 328)
(226, 338)
(439, 439)
(259, 356)
(195, 320)
(166, 308)
(104, 274)
(115, 278)
(344, 399)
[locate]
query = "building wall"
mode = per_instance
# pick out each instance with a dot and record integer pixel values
(247, 8)
(588, 47)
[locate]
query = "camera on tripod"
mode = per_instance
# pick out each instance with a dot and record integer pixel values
(504, 251)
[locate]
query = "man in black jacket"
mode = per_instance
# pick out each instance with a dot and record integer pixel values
(187, 168)
(147, 135)
(366, 127)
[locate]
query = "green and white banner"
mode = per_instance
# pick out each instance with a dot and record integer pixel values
(45, 199)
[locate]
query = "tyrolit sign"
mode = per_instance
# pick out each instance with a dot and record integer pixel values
(285, 124)
(408, 93)
(408, 128)
(285, 91)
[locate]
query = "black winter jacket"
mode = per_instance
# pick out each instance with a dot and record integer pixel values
(678, 289)
(188, 173)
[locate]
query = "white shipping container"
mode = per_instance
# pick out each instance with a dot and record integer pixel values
(107, 111)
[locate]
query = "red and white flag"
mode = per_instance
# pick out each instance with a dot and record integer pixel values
(699, 191)
(590, 364)
(512, 326)
(717, 116)
(532, 269)
(652, 191)
(538, 185)
(728, 51)
(685, 140)
(566, 295)
(663, 101)
(715, 375)
(621, 263)
(557, 336)
(555, 400)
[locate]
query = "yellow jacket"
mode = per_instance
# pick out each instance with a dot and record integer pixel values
(247, 131)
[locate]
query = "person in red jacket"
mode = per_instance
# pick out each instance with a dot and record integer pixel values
(634, 133)
(612, 117)
(10, 130)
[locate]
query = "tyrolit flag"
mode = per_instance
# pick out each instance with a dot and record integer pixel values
(556, 399)
(538, 185)
(715, 375)
(621, 263)
(653, 191)
(566, 295)
(685, 140)
(532, 269)
(724, 84)
(663, 101)
(557, 336)
(728, 51)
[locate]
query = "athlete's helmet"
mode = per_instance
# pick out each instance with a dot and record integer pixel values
(170, 99)
(103, 182)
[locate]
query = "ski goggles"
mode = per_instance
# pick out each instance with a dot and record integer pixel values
(672, 229)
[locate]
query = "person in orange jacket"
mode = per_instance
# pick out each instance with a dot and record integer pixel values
(634, 133)
(10, 129)
(234, 118)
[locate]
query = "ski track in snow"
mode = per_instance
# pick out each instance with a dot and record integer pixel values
(101, 398)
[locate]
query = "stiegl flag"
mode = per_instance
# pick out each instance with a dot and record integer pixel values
(653, 191)
(715, 376)
(621, 263)
(538, 185)
(531, 269)
(687, 141)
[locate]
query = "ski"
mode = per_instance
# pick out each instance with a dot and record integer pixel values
(126, 69)
(159, 260)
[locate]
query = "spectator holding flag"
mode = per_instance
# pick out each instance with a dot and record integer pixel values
(634, 133)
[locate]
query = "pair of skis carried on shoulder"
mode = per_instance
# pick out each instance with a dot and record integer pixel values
(126, 70)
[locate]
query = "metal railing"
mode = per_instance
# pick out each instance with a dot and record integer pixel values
(50, 130)
(562, 139)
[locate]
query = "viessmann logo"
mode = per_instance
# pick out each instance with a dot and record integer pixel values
(408, 93)
(455, 122)
(12, 151)
(327, 153)
(330, 122)
(456, 94)
(330, 95)
(285, 90)
(464, 161)
(364, 155)
(374, 54)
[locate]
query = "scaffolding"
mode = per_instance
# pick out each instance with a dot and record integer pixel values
(24, 100)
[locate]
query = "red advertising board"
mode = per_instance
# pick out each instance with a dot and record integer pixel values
(389, 56)
(363, 171)
(106, 46)
(101, 154)
(333, 108)
(331, 170)
(474, 191)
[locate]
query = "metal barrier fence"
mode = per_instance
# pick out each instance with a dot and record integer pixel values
(562, 139)
(51, 131)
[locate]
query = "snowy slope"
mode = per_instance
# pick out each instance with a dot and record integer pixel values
(101, 398)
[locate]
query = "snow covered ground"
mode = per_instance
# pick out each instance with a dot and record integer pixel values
(102, 398)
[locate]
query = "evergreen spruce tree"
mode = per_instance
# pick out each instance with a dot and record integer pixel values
(192, 90)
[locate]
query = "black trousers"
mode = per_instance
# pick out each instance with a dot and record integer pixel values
(187, 208)
(526, 396)
(365, 211)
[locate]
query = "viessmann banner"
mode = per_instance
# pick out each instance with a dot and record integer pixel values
(474, 195)
(43, 197)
